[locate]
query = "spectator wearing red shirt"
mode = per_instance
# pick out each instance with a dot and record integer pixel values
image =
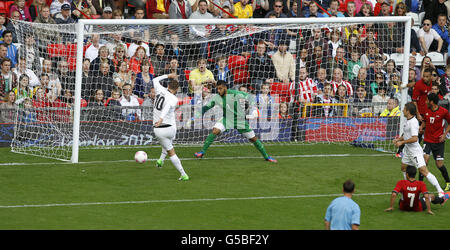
(158, 12)
(378, 7)
(136, 61)
(19, 6)
(40, 102)
(307, 87)
(338, 79)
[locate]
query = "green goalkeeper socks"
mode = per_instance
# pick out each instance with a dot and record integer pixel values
(258, 144)
(209, 140)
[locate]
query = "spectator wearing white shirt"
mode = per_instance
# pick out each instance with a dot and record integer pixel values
(201, 32)
(22, 69)
(55, 7)
(129, 100)
(92, 50)
(428, 37)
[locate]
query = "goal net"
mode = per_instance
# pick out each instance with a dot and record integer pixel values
(307, 81)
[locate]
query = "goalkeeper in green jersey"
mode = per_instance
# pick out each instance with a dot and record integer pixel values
(233, 117)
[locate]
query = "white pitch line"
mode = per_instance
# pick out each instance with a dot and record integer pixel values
(176, 201)
(206, 158)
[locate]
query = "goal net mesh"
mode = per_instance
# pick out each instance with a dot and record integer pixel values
(307, 83)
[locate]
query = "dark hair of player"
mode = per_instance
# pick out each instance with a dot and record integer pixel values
(432, 97)
(221, 82)
(349, 186)
(411, 171)
(411, 108)
(173, 84)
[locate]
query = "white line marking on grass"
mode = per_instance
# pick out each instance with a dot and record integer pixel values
(206, 158)
(185, 200)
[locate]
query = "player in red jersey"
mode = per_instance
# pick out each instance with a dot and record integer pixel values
(435, 134)
(420, 93)
(410, 191)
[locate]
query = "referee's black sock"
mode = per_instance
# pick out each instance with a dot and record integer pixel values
(444, 173)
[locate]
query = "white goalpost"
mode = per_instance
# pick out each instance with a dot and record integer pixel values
(309, 121)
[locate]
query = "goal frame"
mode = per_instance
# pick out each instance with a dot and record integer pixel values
(82, 23)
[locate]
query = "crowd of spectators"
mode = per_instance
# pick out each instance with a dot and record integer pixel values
(319, 64)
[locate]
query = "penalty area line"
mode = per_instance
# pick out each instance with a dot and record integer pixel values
(205, 158)
(179, 201)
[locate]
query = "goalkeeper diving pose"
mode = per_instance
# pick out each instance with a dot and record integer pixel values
(233, 117)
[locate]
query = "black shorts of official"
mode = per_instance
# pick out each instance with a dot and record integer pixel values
(436, 148)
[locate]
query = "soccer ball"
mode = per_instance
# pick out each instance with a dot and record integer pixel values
(140, 157)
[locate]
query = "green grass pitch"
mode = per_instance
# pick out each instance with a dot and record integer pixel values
(233, 188)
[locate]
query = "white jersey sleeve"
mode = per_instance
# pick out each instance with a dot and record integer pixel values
(412, 129)
(165, 103)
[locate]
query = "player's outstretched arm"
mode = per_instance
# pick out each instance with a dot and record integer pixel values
(157, 80)
(210, 104)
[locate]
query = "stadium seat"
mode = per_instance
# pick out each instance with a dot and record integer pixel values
(419, 59)
(281, 90)
(8, 6)
(236, 61)
(398, 58)
(415, 17)
(3, 9)
(421, 16)
(56, 50)
(72, 49)
(186, 74)
(437, 58)
(5, 6)
(72, 62)
(184, 100)
(240, 76)
(83, 103)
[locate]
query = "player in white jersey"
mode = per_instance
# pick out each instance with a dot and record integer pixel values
(412, 152)
(164, 124)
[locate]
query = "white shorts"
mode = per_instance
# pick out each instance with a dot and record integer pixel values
(414, 160)
(166, 136)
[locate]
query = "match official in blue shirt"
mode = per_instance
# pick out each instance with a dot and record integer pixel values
(343, 213)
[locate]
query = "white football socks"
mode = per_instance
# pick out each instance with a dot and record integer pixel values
(177, 163)
(163, 155)
(432, 179)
